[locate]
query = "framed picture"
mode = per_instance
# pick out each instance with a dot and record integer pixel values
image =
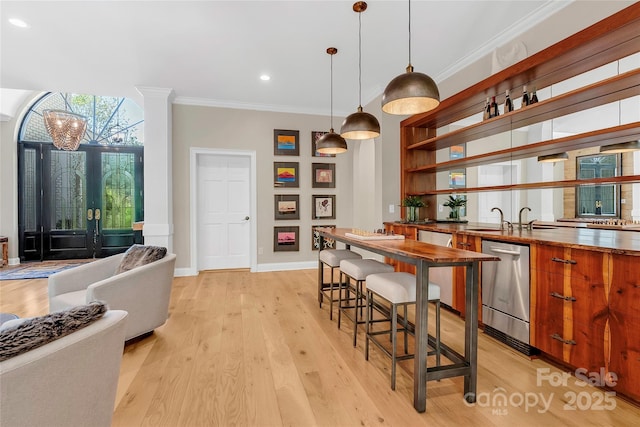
(285, 239)
(285, 174)
(315, 239)
(458, 178)
(324, 207)
(286, 206)
(457, 152)
(285, 142)
(323, 175)
(315, 136)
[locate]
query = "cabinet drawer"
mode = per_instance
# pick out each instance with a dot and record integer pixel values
(544, 259)
(588, 302)
(577, 263)
(589, 349)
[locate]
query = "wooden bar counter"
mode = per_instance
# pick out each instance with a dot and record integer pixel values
(424, 256)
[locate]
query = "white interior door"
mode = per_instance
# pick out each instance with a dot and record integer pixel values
(224, 201)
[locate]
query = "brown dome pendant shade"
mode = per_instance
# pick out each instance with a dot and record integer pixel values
(411, 92)
(624, 147)
(360, 125)
(331, 143)
(553, 158)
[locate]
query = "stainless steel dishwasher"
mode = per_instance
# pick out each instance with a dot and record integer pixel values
(505, 294)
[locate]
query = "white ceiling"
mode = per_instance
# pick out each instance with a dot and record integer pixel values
(213, 52)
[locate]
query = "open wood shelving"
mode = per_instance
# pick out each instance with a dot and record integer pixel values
(609, 40)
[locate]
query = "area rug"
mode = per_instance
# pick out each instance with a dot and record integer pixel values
(38, 270)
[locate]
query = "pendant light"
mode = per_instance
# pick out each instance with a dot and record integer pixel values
(552, 158)
(624, 147)
(331, 143)
(411, 92)
(360, 125)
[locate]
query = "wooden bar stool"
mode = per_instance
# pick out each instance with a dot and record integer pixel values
(357, 270)
(331, 258)
(398, 289)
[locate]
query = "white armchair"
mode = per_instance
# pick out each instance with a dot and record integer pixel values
(71, 381)
(144, 292)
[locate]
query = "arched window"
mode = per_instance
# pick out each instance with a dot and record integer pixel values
(111, 121)
(83, 203)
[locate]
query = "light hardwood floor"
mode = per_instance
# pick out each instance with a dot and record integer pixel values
(254, 349)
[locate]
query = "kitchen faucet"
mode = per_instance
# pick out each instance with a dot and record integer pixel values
(502, 221)
(529, 226)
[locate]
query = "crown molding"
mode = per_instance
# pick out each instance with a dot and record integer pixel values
(510, 33)
(206, 102)
(160, 92)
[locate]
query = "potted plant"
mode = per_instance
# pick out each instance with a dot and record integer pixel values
(455, 203)
(413, 205)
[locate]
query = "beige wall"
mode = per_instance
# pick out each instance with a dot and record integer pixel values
(241, 129)
(9, 178)
(211, 127)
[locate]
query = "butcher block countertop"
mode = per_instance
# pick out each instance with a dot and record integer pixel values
(558, 234)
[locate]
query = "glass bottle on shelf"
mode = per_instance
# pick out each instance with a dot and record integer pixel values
(487, 110)
(525, 96)
(494, 107)
(508, 104)
(534, 97)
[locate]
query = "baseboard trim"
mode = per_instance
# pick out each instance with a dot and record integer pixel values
(284, 266)
(261, 268)
(183, 272)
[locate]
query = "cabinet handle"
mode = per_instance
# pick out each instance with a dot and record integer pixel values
(464, 244)
(562, 340)
(565, 261)
(566, 298)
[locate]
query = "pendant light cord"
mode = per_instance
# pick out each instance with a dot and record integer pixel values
(331, 90)
(409, 32)
(360, 59)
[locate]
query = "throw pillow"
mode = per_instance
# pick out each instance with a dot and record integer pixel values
(38, 331)
(138, 255)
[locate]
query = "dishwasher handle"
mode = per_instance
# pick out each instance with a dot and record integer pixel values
(504, 251)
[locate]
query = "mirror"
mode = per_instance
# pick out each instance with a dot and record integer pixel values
(548, 204)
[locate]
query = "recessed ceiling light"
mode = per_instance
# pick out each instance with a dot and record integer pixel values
(18, 23)
(265, 77)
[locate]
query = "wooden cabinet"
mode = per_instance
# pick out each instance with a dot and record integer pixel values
(468, 243)
(624, 324)
(585, 311)
(409, 232)
(570, 305)
(422, 135)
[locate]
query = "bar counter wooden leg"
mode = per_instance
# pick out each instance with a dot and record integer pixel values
(471, 331)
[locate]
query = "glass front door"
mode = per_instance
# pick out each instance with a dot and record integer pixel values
(78, 204)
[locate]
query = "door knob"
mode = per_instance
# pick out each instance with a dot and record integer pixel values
(246, 218)
(89, 214)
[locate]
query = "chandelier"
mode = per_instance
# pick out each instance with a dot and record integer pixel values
(66, 128)
(118, 134)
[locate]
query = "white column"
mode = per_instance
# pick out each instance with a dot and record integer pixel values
(635, 212)
(158, 192)
(365, 212)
